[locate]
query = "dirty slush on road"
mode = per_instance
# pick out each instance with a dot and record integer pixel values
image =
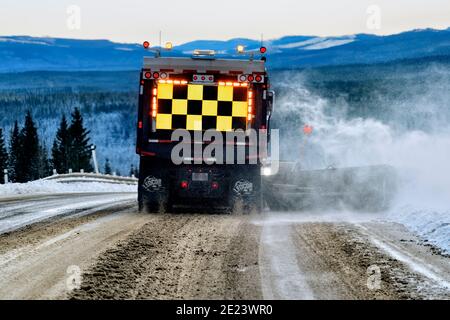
(226, 257)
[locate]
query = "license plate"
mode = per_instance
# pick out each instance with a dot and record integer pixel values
(199, 176)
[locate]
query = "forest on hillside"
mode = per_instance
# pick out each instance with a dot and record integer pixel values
(108, 100)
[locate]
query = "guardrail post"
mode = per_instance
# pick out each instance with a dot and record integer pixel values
(70, 170)
(6, 175)
(133, 176)
(94, 158)
(81, 170)
(54, 172)
(114, 174)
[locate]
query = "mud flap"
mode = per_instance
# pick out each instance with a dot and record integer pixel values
(245, 192)
(154, 188)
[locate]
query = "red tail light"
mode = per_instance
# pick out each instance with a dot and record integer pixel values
(148, 75)
(184, 185)
(250, 78)
(258, 78)
(156, 75)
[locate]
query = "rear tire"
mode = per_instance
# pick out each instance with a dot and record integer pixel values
(154, 204)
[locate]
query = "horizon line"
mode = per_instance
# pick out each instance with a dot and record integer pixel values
(234, 38)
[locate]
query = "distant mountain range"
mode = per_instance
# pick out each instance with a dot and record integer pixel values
(23, 53)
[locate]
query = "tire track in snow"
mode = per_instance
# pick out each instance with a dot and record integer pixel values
(281, 277)
(416, 264)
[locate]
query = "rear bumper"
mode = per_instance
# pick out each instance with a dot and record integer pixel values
(180, 184)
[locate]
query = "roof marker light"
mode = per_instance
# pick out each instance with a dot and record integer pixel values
(263, 50)
(146, 44)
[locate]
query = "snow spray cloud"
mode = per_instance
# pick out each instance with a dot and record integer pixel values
(414, 138)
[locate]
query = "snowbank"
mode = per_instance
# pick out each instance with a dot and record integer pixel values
(46, 186)
(432, 225)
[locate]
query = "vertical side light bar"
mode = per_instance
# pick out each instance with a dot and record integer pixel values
(154, 107)
(250, 108)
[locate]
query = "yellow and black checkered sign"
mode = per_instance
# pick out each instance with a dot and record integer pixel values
(201, 107)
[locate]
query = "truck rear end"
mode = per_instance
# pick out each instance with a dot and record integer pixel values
(202, 97)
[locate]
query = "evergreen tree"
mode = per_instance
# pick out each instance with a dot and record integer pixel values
(3, 155)
(134, 171)
(61, 148)
(15, 150)
(45, 169)
(80, 151)
(108, 169)
(28, 162)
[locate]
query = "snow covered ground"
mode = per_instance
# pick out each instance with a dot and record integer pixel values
(432, 225)
(49, 187)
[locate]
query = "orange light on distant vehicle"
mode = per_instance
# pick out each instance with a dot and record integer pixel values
(307, 129)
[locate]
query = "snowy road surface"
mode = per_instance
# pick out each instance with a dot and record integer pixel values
(16, 212)
(98, 246)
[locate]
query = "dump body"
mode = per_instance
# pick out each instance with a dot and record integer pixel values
(204, 98)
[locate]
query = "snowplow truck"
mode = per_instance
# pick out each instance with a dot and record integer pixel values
(195, 95)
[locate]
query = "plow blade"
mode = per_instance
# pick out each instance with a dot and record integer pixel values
(369, 188)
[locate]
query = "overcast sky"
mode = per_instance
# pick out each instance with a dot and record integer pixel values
(185, 20)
